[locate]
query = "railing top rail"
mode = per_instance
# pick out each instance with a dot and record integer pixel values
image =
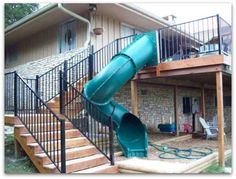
(114, 42)
(51, 70)
(126, 37)
(105, 46)
(8, 73)
(68, 60)
(225, 21)
(167, 27)
(29, 78)
(54, 115)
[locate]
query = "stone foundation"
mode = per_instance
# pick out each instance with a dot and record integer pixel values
(156, 102)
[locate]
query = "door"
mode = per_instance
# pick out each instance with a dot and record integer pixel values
(67, 36)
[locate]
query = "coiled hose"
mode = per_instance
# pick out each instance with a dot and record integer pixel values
(191, 153)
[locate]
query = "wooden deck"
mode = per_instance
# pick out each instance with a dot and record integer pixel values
(200, 65)
(211, 71)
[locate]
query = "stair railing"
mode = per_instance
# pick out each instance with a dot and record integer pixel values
(47, 129)
(97, 128)
(9, 92)
(80, 73)
(48, 83)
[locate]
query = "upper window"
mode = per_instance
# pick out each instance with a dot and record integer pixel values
(127, 30)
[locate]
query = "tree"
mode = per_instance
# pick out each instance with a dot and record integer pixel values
(16, 11)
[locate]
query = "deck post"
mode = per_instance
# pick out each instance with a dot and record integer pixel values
(176, 110)
(91, 63)
(134, 97)
(203, 102)
(220, 117)
(203, 105)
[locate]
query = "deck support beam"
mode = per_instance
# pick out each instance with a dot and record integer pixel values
(220, 117)
(203, 102)
(203, 105)
(176, 110)
(134, 97)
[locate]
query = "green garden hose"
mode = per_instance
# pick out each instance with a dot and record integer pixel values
(191, 153)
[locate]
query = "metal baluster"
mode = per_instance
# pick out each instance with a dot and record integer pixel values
(63, 147)
(219, 33)
(111, 141)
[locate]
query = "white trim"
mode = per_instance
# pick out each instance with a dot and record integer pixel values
(31, 16)
(88, 35)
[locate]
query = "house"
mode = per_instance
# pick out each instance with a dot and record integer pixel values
(187, 76)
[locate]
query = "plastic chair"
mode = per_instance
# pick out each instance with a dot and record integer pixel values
(211, 132)
(214, 123)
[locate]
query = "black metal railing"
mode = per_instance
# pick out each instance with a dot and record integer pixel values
(31, 82)
(42, 123)
(103, 56)
(191, 39)
(9, 92)
(78, 74)
(96, 126)
(48, 83)
(226, 37)
(84, 70)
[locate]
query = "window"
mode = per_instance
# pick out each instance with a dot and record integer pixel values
(127, 30)
(187, 104)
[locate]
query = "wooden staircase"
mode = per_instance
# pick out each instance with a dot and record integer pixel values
(81, 155)
(54, 103)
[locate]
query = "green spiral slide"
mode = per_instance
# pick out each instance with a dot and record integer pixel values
(131, 133)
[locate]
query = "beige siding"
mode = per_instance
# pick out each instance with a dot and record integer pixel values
(44, 43)
(111, 31)
(80, 34)
(37, 46)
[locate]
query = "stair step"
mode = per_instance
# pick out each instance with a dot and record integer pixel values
(106, 168)
(80, 164)
(70, 143)
(72, 153)
(35, 118)
(56, 110)
(46, 135)
(53, 104)
(11, 120)
(43, 127)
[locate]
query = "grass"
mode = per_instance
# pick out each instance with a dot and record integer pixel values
(22, 165)
(215, 168)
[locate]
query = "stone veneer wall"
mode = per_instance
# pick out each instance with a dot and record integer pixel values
(39, 67)
(155, 101)
(188, 92)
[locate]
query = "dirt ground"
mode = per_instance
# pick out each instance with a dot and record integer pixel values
(199, 144)
(22, 165)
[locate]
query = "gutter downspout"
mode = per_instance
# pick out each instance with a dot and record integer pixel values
(88, 37)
